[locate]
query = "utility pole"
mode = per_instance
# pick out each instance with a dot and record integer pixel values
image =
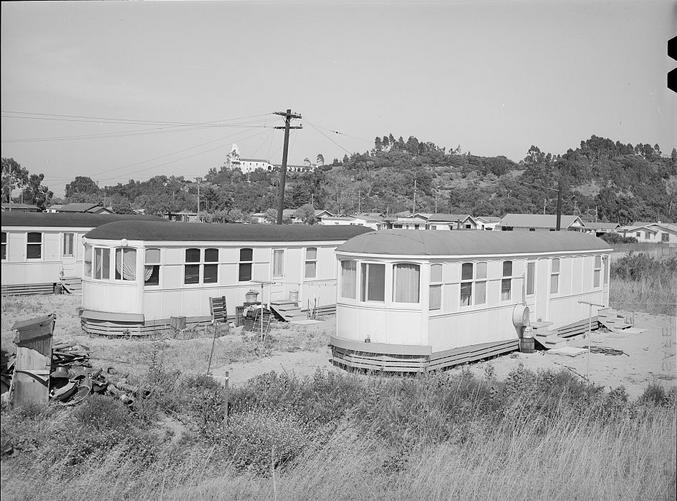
(288, 115)
(559, 204)
(414, 211)
(198, 179)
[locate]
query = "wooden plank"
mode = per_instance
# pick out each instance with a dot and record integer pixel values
(30, 381)
(110, 316)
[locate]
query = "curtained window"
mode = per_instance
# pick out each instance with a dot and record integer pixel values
(311, 263)
(68, 239)
(605, 269)
(406, 283)
(435, 289)
(278, 263)
(4, 246)
(348, 279)
(466, 284)
(151, 270)
(125, 264)
(481, 283)
(373, 282)
(88, 260)
(597, 271)
(554, 276)
(101, 263)
(531, 276)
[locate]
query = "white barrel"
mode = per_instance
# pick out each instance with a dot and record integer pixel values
(520, 316)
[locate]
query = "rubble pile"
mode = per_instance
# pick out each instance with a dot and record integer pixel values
(72, 378)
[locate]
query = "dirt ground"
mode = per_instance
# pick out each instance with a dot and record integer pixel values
(649, 356)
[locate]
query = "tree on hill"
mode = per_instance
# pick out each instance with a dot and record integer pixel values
(13, 176)
(37, 193)
(82, 185)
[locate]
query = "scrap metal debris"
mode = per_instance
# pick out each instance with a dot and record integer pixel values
(607, 351)
(72, 378)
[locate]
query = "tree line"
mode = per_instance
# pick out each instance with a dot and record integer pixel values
(600, 179)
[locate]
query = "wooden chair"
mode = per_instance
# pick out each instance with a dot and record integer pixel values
(217, 307)
(219, 312)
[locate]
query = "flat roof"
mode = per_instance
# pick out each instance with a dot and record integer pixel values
(155, 231)
(68, 219)
(469, 243)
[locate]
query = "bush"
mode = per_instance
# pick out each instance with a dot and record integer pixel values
(102, 413)
(262, 440)
(617, 238)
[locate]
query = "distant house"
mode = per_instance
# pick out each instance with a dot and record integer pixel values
(540, 222)
(251, 164)
(487, 222)
(659, 232)
(20, 208)
(369, 220)
(441, 221)
(600, 228)
(183, 216)
(406, 221)
(81, 207)
(258, 217)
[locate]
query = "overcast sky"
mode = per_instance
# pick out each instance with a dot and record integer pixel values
(131, 90)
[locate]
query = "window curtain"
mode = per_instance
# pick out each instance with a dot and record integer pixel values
(147, 272)
(348, 278)
(125, 263)
(406, 283)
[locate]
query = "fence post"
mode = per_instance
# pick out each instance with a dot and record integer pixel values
(226, 395)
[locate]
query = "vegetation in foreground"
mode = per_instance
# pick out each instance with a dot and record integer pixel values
(337, 436)
(643, 283)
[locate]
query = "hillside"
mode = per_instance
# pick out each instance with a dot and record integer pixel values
(601, 179)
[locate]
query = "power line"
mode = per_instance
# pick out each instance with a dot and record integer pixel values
(142, 132)
(86, 118)
(329, 138)
(228, 139)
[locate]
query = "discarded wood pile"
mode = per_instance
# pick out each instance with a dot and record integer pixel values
(73, 379)
(43, 371)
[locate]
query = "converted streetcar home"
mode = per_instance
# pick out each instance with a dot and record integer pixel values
(416, 300)
(138, 277)
(39, 249)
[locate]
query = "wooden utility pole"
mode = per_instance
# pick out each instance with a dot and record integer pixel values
(414, 209)
(288, 115)
(559, 204)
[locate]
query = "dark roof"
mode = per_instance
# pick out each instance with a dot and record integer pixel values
(23, 207)
(469, 243)
(187, 232)
(68, 220)
(600, 226)
(537, 220)
(80, 207)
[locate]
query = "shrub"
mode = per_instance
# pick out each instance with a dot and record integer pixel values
(102, 413)
(262, 440)
(617, 238)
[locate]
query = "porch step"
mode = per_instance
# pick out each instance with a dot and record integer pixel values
(613, 320)
(287, 311)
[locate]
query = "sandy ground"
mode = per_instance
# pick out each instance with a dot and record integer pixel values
(649, 356)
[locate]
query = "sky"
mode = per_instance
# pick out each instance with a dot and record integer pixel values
(129, 90)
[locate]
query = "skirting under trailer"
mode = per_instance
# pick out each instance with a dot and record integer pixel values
(379, 357)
